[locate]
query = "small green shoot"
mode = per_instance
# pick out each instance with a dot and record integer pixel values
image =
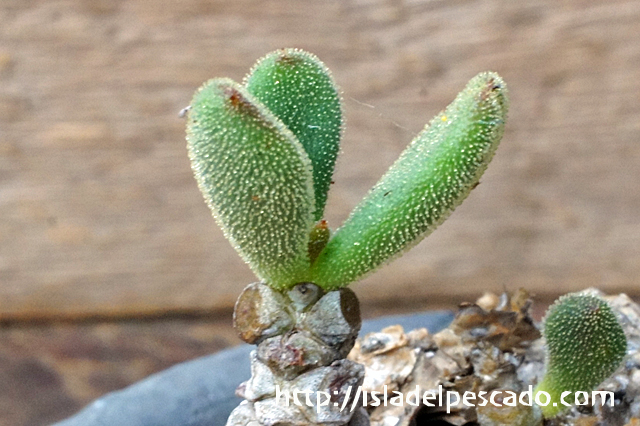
(585, 345)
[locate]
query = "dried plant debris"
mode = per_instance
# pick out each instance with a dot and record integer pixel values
(493, 346)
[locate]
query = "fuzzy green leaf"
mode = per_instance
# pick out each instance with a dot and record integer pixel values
(299, 90)
(256, 178)
(585, 345)
(431, 178)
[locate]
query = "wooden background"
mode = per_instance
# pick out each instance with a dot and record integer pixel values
(101, 219)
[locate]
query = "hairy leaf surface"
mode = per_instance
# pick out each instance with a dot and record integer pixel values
(585, 345)
(430, 179)
(299, 90)
(256, 178)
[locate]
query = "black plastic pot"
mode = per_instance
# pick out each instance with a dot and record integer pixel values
(201, 392)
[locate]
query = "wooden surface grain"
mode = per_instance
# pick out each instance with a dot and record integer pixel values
(50, 371)
(100, 215)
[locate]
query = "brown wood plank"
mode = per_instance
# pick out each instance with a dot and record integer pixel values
(50, 371)
(99, 213)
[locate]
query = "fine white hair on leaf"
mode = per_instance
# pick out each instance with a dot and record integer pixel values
(429, 180)
(256, 177)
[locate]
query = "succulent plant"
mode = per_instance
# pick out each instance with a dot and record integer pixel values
(585, 345)
(263, 153)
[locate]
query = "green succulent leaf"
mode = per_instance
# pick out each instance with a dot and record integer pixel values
(585, 345)
(430, 179)
(256, 178)
(298, 89)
